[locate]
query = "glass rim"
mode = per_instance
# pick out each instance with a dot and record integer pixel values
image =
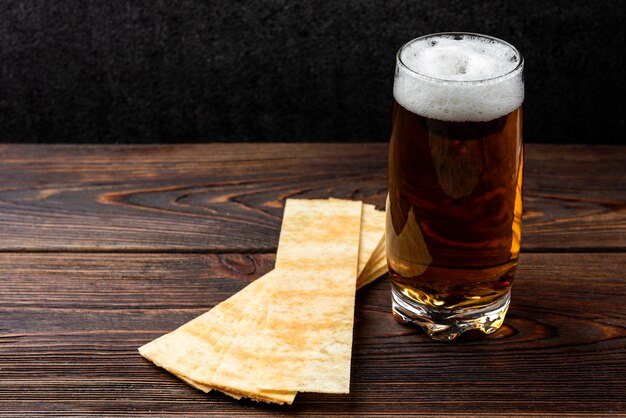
(502, 77)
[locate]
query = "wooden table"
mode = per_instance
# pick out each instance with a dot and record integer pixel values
(103, 248)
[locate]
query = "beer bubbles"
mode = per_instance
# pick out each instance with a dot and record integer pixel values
(459, 78)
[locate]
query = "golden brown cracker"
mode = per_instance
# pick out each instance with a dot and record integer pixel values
(191, 350)
(307, 341)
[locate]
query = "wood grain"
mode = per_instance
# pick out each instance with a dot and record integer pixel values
(70, 324)
(229, 197)
(103, 248)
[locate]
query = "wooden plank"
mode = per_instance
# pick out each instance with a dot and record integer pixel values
(158, 198)
(70, 325)
(229, 197)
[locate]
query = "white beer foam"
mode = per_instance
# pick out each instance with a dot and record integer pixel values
(470, 79)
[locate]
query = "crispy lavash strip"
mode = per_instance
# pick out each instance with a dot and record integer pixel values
(235, 384)
(307, 343)
(191, 351)
(374, 262)
(315, 232)
(372, 228)
(205, 388)
(232, 374)
(372, 243)
(376, 267)
(235, 373)
(377, 253)
(152, 351)
(199, 386)
(375, 274)
(305, 223)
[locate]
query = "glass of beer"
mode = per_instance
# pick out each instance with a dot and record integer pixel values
(454, 207)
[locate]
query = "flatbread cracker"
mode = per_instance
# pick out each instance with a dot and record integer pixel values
(308, 330)
(234, 373)
(372, 234)
(375, 261)
(309, 232)
(237, 370)
(191, 351)
(372, 231)
(205, 388)
(220, 334)
(199, 386)
(376, 266)
(374, 275)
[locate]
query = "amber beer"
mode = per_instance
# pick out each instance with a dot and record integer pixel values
(455, 182)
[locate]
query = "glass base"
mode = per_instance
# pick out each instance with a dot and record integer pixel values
(447, 325)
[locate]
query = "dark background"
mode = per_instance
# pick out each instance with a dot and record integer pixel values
(206, 70)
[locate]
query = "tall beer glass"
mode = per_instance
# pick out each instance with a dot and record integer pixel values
(454, 207)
